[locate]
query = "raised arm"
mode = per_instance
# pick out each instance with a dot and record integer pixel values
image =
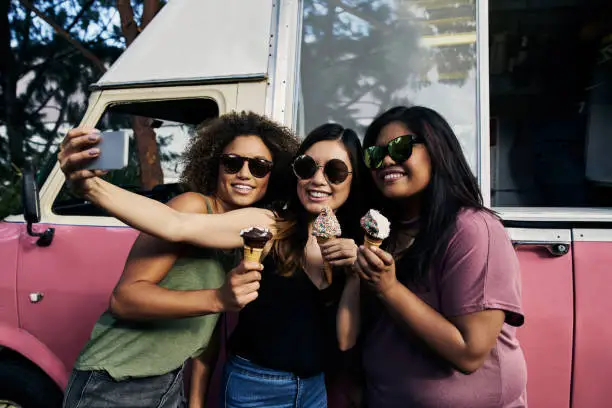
(154, 218)
(147, 215)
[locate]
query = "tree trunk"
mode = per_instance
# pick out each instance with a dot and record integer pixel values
(146, 143)
(148, 153)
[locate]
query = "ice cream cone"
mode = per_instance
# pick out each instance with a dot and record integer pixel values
(327, 268)
(371, 242)
(252, 254)
(255, 239)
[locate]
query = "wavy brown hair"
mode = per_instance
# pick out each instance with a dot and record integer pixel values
(201, 158)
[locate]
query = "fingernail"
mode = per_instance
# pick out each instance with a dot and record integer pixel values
(93, 152)
(93, 138)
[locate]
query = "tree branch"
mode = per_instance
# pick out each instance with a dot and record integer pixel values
(356, 12)
(40, 67)
(77, 18)
(66, 35)
(129, 27)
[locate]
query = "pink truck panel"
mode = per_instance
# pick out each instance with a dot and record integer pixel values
(592, 377)
(546, 337)
(9, 252)
(76, 275)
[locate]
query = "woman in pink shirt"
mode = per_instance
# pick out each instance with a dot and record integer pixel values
(439, 321)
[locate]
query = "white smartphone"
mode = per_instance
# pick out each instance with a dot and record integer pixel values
(114, 151)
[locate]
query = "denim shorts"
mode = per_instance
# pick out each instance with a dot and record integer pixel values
(97, 389)
(247, 385)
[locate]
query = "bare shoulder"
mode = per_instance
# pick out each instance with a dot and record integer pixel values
(189, 202)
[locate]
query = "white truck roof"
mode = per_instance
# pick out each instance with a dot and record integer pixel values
(184, 42)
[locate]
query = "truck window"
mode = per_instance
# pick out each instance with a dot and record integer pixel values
(173, 122)
(551, 104)
(360, 58)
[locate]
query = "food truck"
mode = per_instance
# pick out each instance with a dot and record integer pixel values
(525, 84)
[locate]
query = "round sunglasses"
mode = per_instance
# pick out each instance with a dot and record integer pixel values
(233, 163)
(335, 170)
(399, 149)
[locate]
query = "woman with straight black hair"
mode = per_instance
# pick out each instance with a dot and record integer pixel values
(439, 322)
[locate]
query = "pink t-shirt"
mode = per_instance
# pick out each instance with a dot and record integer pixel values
(479, 271)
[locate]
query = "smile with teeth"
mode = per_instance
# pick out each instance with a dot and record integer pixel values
(318, 195)
(242, 188)
(393, 176)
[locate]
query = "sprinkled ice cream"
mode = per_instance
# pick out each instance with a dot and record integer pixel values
(326, 227)
(376, 226)
(255, 239)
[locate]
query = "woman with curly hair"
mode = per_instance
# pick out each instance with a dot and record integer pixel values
(165, 308)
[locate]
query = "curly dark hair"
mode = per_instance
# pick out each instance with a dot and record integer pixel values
(201, 158)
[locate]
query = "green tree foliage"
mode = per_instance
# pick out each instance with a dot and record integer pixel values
(47, 62)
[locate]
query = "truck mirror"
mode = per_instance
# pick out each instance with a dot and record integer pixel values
(31, 205)
(29, 194)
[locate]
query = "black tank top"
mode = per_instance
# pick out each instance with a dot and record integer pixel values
(291, 325)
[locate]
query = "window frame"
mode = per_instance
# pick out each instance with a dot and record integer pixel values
(513, 214)
(225, 95)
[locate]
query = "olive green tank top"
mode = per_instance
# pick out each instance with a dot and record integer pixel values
(127, 349)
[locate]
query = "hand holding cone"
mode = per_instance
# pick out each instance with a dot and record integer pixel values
(255, 239)
(325, 228)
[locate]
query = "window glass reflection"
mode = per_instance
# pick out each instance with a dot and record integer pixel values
(361, 57)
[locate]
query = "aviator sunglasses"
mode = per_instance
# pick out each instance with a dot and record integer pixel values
(335, 170)
(399, 149)
(232, 164)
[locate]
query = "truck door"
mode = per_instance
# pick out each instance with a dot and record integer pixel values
(593, 285)
(546, 259)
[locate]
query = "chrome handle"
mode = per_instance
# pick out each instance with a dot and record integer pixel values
(554, 248)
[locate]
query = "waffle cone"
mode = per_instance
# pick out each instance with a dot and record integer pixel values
(252, 254)
(327, 268)
(371, 242)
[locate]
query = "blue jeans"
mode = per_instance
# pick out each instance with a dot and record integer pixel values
(247, 385)
(97, 389)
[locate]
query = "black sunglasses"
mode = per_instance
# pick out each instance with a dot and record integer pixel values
(399, 149)
(335, 170)
(232, 164)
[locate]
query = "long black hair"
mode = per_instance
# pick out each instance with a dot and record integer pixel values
(293, 225)
(452, 187)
